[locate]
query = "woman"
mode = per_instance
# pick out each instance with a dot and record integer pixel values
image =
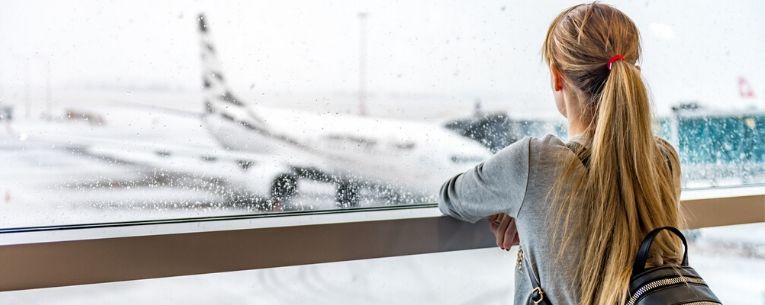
(581, 208)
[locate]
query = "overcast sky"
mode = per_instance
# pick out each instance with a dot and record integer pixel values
(693, 50)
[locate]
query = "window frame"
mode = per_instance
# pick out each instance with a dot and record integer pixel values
(88, 254)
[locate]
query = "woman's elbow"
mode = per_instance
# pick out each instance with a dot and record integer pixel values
(447, 198)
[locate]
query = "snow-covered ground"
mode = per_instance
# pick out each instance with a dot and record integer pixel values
(42, 187)
(482, 276)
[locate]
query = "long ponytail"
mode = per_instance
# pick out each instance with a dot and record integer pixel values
(631, 183)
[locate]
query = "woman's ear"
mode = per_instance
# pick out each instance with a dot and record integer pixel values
(556, 82)
(556, 78)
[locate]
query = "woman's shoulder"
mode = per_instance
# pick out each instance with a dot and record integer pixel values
(548, 153)
(548, 143)
(534, 147)
(549, 139)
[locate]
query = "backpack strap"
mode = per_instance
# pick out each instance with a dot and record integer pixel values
(575, 147)
(645, 246)
(537, 295)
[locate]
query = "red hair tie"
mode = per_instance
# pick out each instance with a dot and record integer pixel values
(613, 59)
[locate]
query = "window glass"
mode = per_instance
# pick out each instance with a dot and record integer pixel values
(138, 110)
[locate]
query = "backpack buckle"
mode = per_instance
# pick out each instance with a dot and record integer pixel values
(537, 292)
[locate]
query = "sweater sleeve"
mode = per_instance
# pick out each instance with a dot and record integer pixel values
(497, 185)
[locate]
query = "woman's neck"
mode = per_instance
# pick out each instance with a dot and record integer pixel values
(576, 114)
(575, 128)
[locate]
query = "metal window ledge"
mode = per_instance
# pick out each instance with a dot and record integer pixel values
(75, 255)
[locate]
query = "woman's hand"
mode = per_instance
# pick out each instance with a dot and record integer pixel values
(503, 227)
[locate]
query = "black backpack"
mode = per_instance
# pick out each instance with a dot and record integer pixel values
(668, 284)
(664, 285)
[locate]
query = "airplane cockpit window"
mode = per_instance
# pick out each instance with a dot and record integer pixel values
(138, 110)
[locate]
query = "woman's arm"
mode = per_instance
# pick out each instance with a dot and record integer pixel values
(497, 185)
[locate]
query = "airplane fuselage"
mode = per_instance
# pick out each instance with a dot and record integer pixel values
(418, 156)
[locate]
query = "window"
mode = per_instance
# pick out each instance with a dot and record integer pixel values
(116, 113)
(196, 118)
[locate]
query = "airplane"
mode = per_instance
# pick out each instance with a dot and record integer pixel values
(350, 151)
(272, 149)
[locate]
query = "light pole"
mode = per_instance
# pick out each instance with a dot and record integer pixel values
(48, 98)
(362, 63)
(27, 102)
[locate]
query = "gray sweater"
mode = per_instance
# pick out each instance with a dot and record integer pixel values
(517, 181)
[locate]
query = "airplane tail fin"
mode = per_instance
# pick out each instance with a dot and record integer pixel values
(744, 88)
(216, 91)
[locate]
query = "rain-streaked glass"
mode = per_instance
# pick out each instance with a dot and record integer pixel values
(139, 110)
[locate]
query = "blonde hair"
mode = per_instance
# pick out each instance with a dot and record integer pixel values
(631, 183)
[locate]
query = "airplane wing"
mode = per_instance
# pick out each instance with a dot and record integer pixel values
(246, 172)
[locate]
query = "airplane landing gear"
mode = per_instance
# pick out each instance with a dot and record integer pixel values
(347, 194)
(283, 188)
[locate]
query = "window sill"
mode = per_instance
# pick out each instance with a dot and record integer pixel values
(67, 256)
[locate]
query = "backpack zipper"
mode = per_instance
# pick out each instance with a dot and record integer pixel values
(667, 282)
